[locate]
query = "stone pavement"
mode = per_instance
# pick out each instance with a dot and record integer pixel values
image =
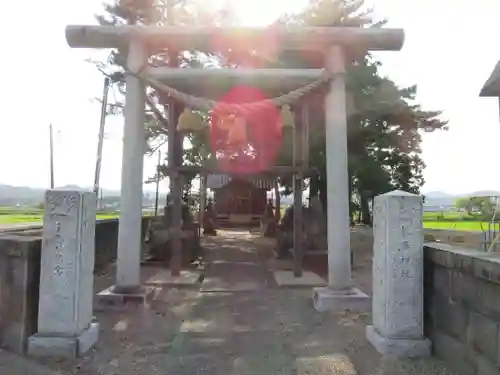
(232, 329)
(11, 364)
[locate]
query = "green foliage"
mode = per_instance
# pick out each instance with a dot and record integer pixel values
(385, 124)
(384, 127)
(477, 207)
(19, 215)
(456, 220)
(171, 12)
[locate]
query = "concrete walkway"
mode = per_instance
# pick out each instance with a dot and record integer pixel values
(237, 322)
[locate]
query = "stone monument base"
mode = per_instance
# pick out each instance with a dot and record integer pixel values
(399, 348)
(286, 279)
(113, 297)
(64, 347)
(327, 299)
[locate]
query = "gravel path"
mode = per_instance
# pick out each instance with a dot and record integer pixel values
(263, 331)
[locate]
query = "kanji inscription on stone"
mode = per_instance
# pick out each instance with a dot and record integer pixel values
(66, 276)
(397, 265)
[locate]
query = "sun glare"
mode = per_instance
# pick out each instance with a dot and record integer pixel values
(260, 12)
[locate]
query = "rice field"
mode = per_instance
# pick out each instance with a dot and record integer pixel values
(13, 215)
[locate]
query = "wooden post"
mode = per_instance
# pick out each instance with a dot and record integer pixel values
(298, 240)
(100, 139)
(174, 159)
(203, 198)
(278, 200)
(305, 128)
(51, 146)
(157, 193)
(175, 191)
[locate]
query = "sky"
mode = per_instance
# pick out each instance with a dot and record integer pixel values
(448, 53)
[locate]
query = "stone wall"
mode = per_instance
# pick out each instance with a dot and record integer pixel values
(469, 239)
(19, 280)
(20, 276)
(106, 235)
(462, 308)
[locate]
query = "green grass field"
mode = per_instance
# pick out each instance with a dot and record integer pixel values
(432, 220)
(456, 225)
(12, 215)
(453, 221)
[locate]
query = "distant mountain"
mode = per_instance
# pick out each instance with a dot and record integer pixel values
(13, 195)
(105, 192)
(24, 195)
(437, 194)
(27, 196)
(484, 193)
(439, 198)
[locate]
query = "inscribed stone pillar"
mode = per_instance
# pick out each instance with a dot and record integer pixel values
(397, 328)
(65, 327)
(340, 293)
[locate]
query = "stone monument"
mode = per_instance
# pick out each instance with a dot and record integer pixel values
(160, 236)
(65, 327)
(268, 220)
(209, 220)
(397, 328)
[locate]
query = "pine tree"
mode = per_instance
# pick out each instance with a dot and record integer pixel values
(384, 130)
(172, 12)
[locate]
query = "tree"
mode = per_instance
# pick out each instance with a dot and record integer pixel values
(385, 124)
(477, 206)
(172, 12)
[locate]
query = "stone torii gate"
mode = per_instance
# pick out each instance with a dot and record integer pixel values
(335, 43)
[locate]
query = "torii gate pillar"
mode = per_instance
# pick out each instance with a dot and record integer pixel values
(128, 265)
(339, 294)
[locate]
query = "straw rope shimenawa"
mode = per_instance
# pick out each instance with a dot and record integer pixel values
(221, 107)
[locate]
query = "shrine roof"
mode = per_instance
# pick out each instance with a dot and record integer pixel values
(491, 87)
(217, 181)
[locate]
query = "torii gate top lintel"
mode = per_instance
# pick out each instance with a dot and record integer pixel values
(289, 38)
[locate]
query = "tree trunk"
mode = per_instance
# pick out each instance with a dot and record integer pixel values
(313, 187)
(278, 201)
(322, 191)
(351, 217)
(365, 211)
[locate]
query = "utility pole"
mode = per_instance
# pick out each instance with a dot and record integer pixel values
(157, 182)
(104, 108)
(51, 145)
